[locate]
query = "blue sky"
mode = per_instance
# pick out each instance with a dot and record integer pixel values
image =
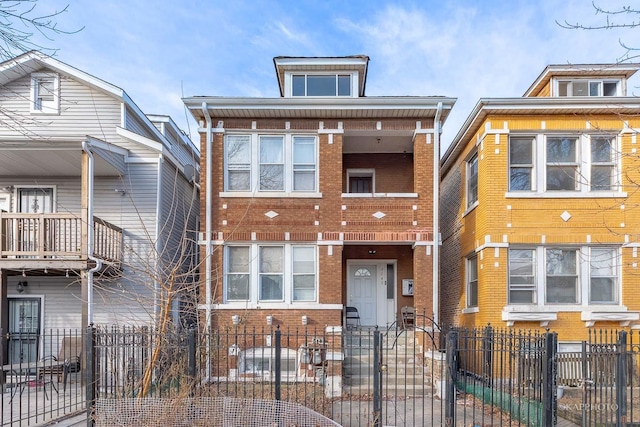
(159, 51)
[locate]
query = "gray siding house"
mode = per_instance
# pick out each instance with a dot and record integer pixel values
(99, 206)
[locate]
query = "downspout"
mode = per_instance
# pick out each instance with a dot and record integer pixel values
(158, 248)
(436, 213)
(98, 266)
(207, 239)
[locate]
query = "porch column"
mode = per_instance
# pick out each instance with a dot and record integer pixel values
(4, 314)
(422, 282)
(84, 234)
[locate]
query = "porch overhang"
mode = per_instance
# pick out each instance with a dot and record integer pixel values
(57, 158)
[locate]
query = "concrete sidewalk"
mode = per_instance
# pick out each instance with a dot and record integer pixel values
(80, 419)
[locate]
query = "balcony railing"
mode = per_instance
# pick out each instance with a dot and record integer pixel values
(56, 236)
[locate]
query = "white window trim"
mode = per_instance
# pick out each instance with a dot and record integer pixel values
(539, 170)
(557, 80)
(361, 172)
(16, 195)
(288, 82)
(584, 281)
(254, 169)
(254, 277)
(470, 206)
(468, 261)
(52, 107)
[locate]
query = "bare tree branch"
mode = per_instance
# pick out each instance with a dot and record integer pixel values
(20, 21)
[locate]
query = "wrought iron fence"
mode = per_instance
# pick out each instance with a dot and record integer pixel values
(44, 385)
(358, 377)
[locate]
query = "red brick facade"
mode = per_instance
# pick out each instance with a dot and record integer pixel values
(389, 228)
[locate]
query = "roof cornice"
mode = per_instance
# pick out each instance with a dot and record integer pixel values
(283, 107)
(534, 105)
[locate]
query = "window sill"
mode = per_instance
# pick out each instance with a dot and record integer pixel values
(302, 305)
(529, 315)
(470, 208)
(565, 195)
(470, 310)
(380, 195)
(624, 317)
(271, 194)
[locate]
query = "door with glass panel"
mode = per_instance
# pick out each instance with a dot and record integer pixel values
(32, 201)
(24, 329)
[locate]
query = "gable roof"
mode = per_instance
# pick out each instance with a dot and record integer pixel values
(23, 65)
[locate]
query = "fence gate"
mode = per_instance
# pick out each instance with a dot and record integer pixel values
(605, 391)
(388, 378)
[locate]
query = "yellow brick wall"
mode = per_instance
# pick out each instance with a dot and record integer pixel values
(534, 221)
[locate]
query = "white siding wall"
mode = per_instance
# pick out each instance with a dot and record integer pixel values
(83, 111)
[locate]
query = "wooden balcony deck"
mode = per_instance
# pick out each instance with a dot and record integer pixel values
(55, 240)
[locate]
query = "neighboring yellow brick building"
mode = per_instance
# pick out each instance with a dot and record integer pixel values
(539, 199)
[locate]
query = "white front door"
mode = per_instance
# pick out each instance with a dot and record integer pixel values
(371, 289)
(363, 292)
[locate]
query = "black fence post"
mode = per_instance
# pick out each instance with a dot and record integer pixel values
(90, 372)
(452, 373)
(621, 380)
(277, 368)
(549, 389)
(487, 347)
(192, 359)
(377, 378)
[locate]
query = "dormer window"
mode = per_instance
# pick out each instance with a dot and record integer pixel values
(44, 93)
(321, 85)
(584, 87)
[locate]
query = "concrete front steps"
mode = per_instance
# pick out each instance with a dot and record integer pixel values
(404, 373)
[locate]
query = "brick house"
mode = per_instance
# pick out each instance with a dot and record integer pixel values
(319, 199)
(537, 197)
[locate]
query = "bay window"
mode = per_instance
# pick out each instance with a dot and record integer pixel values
(270, 273)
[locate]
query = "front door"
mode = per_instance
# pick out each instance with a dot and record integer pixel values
(363, 292)
(32, 201)
(24, 329)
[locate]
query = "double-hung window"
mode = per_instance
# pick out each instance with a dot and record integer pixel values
(521, 163)
(238, 273)
(522, 284)
(472, 281)
(271, 163)
(270, 273)
(565, 275)
(603, 283)
(44, 93)
(238, 163)
(603, 164)
(472, 180)
(304, 163)
(562, 276)
(562, 163)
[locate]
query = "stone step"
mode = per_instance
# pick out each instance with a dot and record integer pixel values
(389, 389)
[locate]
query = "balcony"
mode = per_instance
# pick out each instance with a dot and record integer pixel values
(55, 240)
